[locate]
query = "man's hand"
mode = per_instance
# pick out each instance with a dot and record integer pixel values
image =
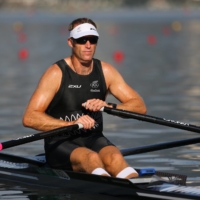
(86, 121)
(94, 104)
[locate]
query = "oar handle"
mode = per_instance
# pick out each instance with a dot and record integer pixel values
(30, 138)
(152, 119)
(80, 126)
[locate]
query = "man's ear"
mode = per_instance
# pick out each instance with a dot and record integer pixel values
(70, 42)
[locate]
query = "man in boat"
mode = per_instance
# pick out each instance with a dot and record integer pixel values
(73, 90)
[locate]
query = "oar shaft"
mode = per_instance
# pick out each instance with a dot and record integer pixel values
(38, 136)
(160, 146)
(152, 119)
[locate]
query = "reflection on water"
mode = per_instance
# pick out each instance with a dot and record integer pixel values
(21, 192)
(166, 74)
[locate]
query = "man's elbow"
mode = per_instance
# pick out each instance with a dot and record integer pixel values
(26, 121)
(144, 110)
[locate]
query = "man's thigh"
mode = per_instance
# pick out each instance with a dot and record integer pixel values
(58, 151)
(84, 159)
(79, 154)
(97, 142)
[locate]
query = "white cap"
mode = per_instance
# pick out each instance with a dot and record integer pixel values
(83, 30)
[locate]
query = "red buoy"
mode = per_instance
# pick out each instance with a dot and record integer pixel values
(151, 39)
(23, 54)
(118, 56)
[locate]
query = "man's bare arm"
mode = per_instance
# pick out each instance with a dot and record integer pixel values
(129, 98)
(35, 116)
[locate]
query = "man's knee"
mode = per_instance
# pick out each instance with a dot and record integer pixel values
(117, 156)
(92, 156)
(85, 160)
(114, 157)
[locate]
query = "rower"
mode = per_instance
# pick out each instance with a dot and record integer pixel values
(72, 91)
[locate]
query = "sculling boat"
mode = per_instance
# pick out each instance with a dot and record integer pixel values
(150, 184)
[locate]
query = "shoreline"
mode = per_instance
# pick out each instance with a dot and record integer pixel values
(127, 15)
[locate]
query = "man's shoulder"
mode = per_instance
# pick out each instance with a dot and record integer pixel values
(100, 63)
(61, 64)
(53, 69)
(59, 61)
(106, 66)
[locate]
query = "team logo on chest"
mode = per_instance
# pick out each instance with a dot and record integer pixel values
(94, 86)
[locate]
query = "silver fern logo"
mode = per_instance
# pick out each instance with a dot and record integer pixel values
(94, 84)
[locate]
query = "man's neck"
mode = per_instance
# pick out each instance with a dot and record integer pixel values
(81, 67)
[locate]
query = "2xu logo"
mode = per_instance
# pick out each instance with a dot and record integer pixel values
(176, 122)
(74, 86)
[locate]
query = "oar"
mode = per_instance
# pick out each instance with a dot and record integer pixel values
(152, 119)
(160, 146)
(38, 136)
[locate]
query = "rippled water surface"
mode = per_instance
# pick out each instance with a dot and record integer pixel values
(166, 74)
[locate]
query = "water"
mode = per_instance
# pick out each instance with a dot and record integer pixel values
(165, 74)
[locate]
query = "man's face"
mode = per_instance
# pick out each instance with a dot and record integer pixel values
(84, 48)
